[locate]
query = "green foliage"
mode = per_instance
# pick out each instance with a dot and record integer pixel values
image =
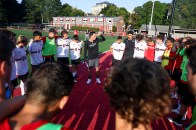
(79, 28)
(185, 14)
(142, 14)
(114, 29)
(114, 11)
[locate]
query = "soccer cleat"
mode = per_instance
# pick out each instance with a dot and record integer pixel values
(176, 121)
(98, 80)
(88, 81)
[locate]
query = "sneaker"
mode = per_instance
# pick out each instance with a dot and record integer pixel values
(175, 121)
(88, 81)
(98, 80)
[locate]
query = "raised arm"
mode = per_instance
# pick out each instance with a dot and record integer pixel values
(101, 39)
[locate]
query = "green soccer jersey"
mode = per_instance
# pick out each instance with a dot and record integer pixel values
(49, 47)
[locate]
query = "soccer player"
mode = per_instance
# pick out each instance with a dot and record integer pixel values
(149, 53)
(21, 61)
(6, 47)
(47, 93)
(169, 56)
(75, 54)
(91, 46)
(159, 49)
(117, 49)
(191, 67)
(135, 87)
(63, 48)
(35, 50)
(140, 47)
(129, 45)
(186, 98)
(49, 49)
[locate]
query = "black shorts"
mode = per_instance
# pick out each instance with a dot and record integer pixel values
(176, 75)
(75, 62)
(15, 82)
(22, 77)
(64, 60)
(186, 97)
(49, 59)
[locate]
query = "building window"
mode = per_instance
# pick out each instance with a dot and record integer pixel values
(100, 19)
(61, 20)
(85, 20)
(67, 19)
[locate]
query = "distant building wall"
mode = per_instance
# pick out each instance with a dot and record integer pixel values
(103, 23)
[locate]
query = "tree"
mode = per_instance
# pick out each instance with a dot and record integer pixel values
(38, 10)
(10, 10)
(142, 14)
(114, 29)
(114, 11)
(3, 17)
(67, 10)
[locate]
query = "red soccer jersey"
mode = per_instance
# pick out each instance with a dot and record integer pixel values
(171, 62)
(149, 53)
(4, 125)
(178, 61)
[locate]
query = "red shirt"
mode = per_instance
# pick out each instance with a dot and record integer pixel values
(149, 53)
(4, 125)
(171, 62)
(178, 61)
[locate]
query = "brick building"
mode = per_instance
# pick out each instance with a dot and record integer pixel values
(103, 23)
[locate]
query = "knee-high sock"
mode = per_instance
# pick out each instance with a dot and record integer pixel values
(22, 88)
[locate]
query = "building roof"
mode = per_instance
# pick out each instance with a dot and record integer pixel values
(160, 28)
(105, 2)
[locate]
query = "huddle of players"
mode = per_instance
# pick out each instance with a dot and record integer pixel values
(39, 52)
(170, 55)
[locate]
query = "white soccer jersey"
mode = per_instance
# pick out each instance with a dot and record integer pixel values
(75, 49)
(63, 47)
(118, 50)
(21, 61)
(159, 50)
(140, 48)
(35, 51)
(12, 60)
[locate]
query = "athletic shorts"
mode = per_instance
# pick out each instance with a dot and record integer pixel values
(93, 63)
(114, 61)
(185, 96)
(176, 75)
(22, 77)
(15, 82)
(49, 59)
(75, 62)
(64, 60)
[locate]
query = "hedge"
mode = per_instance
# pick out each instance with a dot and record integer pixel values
(79, 28)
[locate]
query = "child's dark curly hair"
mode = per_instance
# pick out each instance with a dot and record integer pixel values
(139, 91)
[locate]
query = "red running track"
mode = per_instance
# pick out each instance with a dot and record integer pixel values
(88, 107)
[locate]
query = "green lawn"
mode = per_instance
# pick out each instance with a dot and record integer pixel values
(104, 46)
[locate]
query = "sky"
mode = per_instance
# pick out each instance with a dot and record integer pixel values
(86, 5)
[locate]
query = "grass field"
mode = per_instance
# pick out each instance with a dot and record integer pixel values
(103, 46)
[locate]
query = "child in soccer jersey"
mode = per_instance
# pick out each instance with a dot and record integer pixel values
(169, 56)
(35, 50)
(75, 54)
(149, 53)
(117, 49)
(21, 61)
(140, 47)
(49, 47)
(159, 49)
(63, 48)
